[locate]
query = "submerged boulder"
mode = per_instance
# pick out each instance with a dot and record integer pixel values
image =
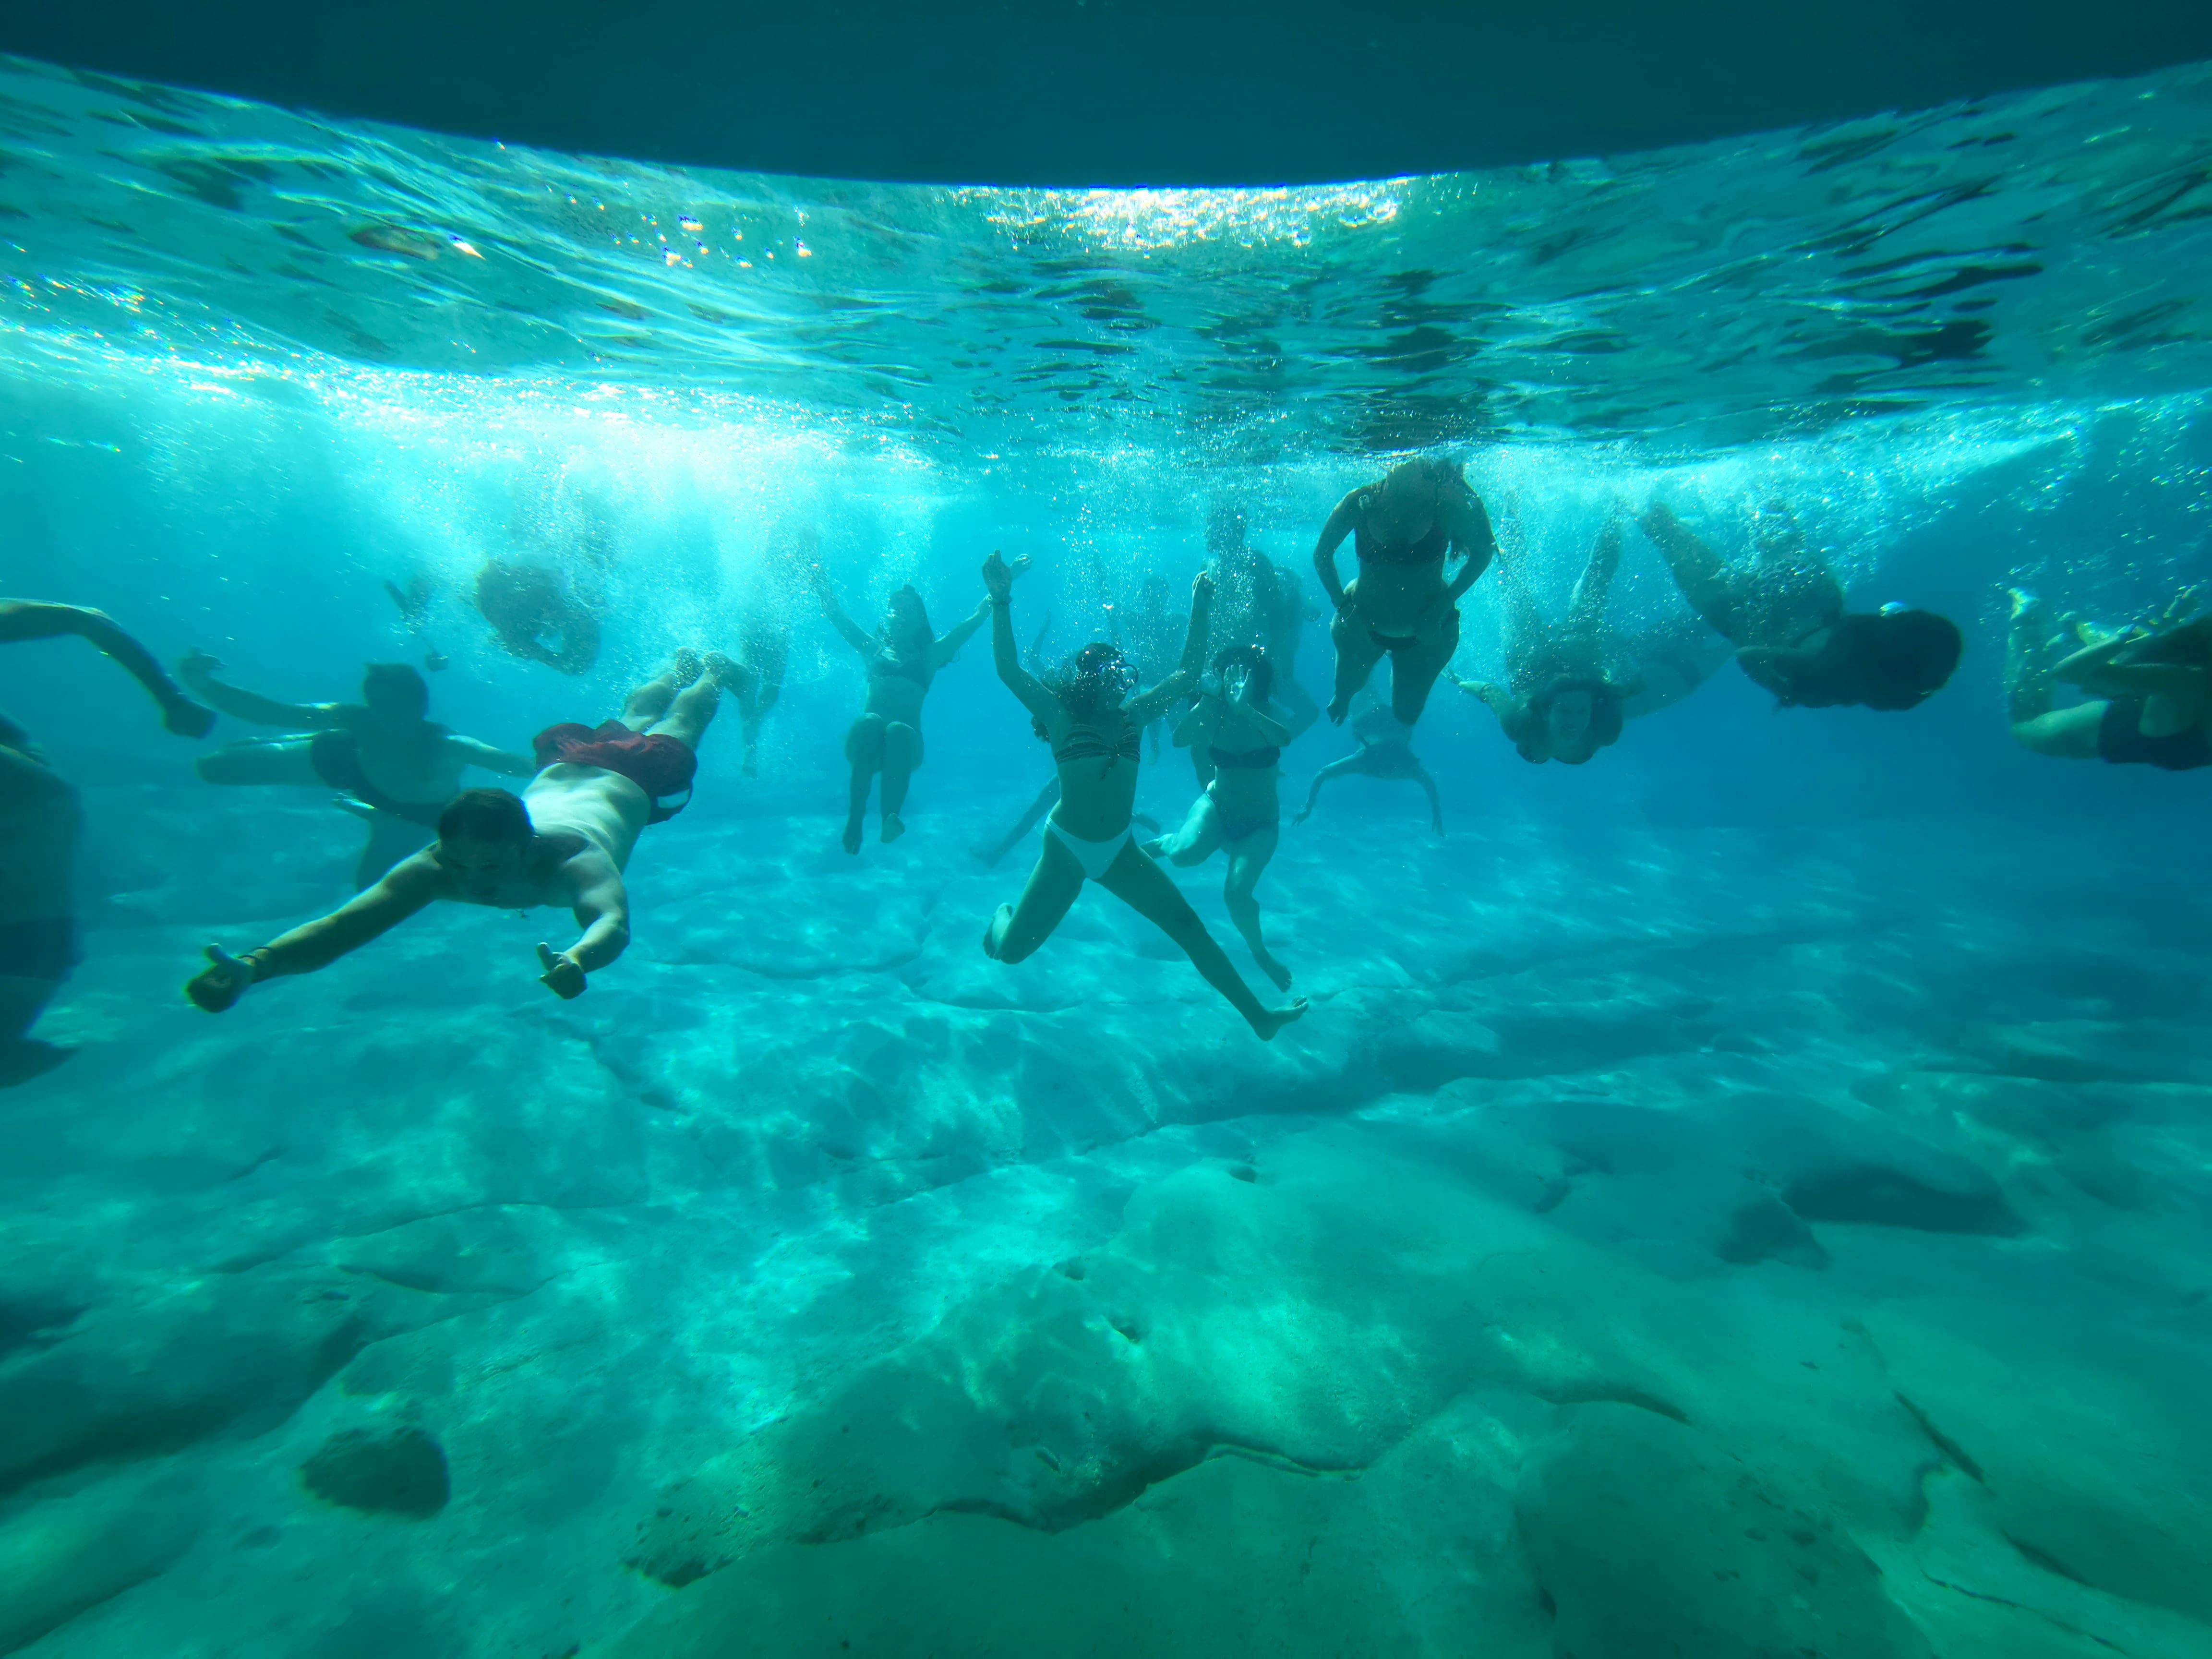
(402, 1473)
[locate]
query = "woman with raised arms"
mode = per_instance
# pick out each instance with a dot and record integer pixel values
(1095, 728)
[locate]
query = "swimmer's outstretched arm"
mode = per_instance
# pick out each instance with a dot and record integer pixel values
(958, 634)
(1492, 696)
(198, 668)
(1335, 768)
(1005, 654)
(23, 620)
(1339, 525)
(475, 752)
(1148, 706)
(854, 636)
(405, 889)
(602, 910)
(1199, 723)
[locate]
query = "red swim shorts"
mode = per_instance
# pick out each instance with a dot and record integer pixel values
(658, 764)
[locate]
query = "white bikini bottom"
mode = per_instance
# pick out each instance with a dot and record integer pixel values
(1095, 857)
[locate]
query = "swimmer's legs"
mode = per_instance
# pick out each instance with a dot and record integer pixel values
(1018, 928)
(1357, 653)
(902, 753)
(1586, 609)
(1248, 862)
(690, 711)
(2030, 652)
(1152, 893)
(1414, 668)
(1197, 840)
(29, 619)
(864, 748)
(1047, 798)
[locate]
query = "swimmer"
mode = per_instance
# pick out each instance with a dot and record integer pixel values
(1386, 750)
(389, 764)
(2147, 688)
(902, 659)
(1256, 602)
(1240, 813)
(764, 633)
(1403, 530)
(1561, 699)
(526, 605)
(1096, 729)
(24, 620)
(565, 840)
(40, 820)
(1784, 613)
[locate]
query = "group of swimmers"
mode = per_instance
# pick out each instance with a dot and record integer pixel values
(1230, 689)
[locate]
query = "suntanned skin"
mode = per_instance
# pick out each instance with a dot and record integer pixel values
(585, 822)
(1098, 799)
(404, 756)
(2176, 691)
(1232, 719)
(1787, 633)
(23, 620)
(1378, 756)
(1398, 601)
(887, 738)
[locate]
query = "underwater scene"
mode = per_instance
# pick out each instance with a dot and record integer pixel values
(1458, 916)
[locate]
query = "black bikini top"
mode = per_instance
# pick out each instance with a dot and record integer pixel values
(1373, 549)
(1242, 760)
(884, 665)
(1084, 744)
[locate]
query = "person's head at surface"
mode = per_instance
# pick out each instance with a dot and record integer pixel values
(395, 695)
(1406, 504)
(485, 838)
(1245, 672)
(906, 624)
(1903, 658)
(1096, 681)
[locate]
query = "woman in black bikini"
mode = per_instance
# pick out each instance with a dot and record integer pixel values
(2148, 689)
(902, 661)
(389, 764)
(1097, 732)
(1240, 813)
(1403, 530)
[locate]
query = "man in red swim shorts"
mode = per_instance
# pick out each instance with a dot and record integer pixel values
(565, 840)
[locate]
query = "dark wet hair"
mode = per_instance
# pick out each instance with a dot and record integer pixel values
(497, 814)
(1094, 680)
(395, 686)
(1260, 672)
(1906, 657)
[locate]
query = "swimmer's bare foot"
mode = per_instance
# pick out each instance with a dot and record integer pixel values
(853, 834)
(1273, 1020)
(894, 826)
(1271, 967)
(686, 665)
(994, 934)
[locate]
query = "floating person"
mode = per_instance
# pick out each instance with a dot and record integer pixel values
(22, 621)
(565, 840)
(414, 602)
(388, 761)
(902, 659)
(526, 606)
(1240, 813)
(764, 632)
(2147, 689)
(1095, 728)
(1256, 602)
(1386, 750)
(39, 823)
(1784, 613)
(1399, 605)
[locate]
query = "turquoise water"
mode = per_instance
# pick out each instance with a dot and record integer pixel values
(1746, 1195)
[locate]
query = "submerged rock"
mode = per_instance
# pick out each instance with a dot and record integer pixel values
(399, 1474)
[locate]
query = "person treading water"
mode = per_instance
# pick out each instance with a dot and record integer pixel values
(1097, 732)
(1784, 613)
(389, 764)
(565, 840)
(1240, 813)
(902, 660)
(1399, 605)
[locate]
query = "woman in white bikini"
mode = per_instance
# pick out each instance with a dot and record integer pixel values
(1096, 729)
(1240, 814)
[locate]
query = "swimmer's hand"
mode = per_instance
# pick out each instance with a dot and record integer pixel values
(221, 982)
(196, 665)
(563, 977)
(999, 576)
